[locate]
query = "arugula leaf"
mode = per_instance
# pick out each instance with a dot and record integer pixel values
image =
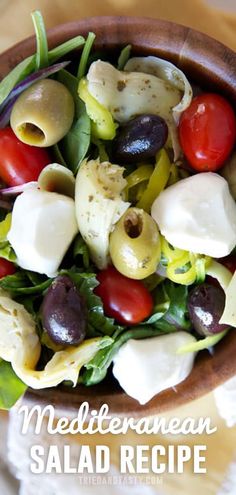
(66, 47)
(41, 40)
(169, 315)
(57, 155)
(170, 311)
(76, 142)
(74, 146)
(30, 302)
(11, 387)
(28, 65)
(80, 250)
(124, 57)
(71, 82)
(19, 72)
(21, 283)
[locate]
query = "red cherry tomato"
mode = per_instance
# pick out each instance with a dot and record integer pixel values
(19, 162)
(207, 132)
(6, 268)
(229, 262)
(125, 299)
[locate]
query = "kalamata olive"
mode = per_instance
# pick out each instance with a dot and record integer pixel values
(135, 247)
(140, 139)
(206, 304)
(64, 312)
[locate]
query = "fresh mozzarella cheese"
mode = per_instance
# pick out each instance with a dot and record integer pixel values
(43, 227)
(146, 367)
(198, 214)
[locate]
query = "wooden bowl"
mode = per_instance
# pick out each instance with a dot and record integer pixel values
(213, 66)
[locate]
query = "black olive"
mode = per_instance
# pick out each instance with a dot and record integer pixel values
(206, 305)
(140, 139)
(64, 314)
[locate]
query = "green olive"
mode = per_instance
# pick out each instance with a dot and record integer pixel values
(135, 247)
(57, 178)
(43, 114)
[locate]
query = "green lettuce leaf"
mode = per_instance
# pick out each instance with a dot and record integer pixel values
(74, 146)
(28, 65)
(11, 387)
(22, 283)
(85, 55)
(124, 57)
(170, 310)
(81, 252)
(41, 40)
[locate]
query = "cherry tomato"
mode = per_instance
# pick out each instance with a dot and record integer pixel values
(19, 162)
(207, 132)
(125, 299)
(6, 268)
(229, 262)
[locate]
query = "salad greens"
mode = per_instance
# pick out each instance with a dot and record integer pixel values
(11, 387)
(124, 57)
(29, 65)
(75, 145)
(169, 315)
(170, 308)
(6, 250)
(6, 106)
(21, 283)
(90, 141)
(41, 41)
(85, 55)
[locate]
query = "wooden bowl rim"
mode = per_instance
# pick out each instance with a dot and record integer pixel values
(202, 55)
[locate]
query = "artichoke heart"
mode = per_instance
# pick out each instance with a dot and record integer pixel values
(99, 205)
(20, 345)
(128, 94)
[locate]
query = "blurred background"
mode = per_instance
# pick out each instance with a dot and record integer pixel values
(218, 19)
(214, 17)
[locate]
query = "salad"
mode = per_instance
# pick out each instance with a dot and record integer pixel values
(118, 221)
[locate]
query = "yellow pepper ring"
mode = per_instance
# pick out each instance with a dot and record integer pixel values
(186, 278)
(103, 125)
(141, 174)
(157, 181)
(171, 254)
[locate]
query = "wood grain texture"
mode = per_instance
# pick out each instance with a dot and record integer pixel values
(213, 66)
